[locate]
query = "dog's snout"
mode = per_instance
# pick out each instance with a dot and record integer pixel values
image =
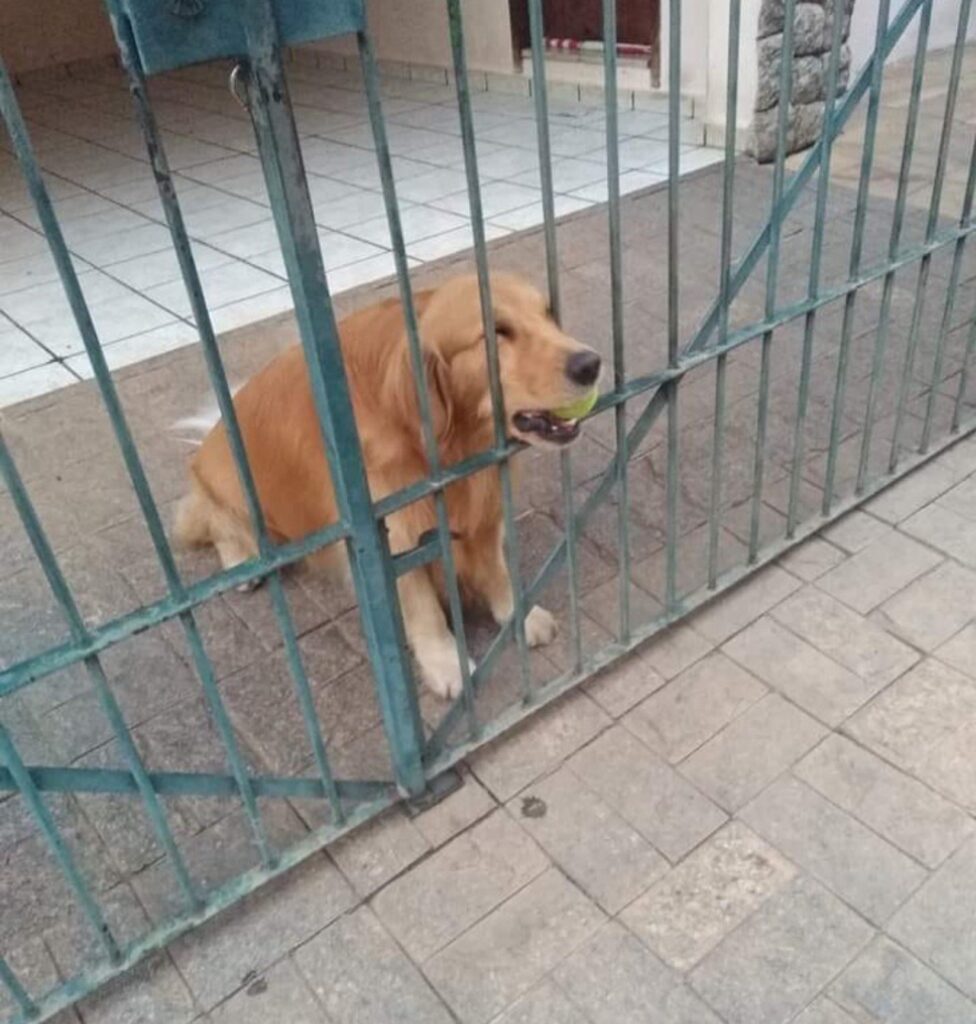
(583, 368)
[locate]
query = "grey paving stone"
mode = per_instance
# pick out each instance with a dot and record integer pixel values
(674, 649)
(456, 812)
(811, 559)
(923, 723)
(121, 820)
(380, 850)
(616, 980)
(745, 603)
(888, 985)
(692, 558)
(855, 531)
(770, 967)
(215, 855)
(824, 1011)
(607, 858)
(904, 497)
(959, 458)
(623, 685)
(277, 994)
(647, 792)
(360, 976)
(930, 610)
(962, 498)
(751, 751)
(951, 768)
(33, 967)
(549, 737)
(850, 639)
(432, 904)
(945, 530)
(713, 890)
(960, 651)
(263, 704)
(936, 924)
(835, 848)
(74, 945)
(693, 707)
(895, 805)
(602, 605)
(217, 958)
(545, 1004)
(151, 993)
(878, 571)
(801, 672)
(508, 952)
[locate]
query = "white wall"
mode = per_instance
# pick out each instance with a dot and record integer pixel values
(43, 33)
(415, 31)
(704, 57)
(864, 23)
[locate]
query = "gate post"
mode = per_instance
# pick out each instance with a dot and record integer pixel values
(369, 554)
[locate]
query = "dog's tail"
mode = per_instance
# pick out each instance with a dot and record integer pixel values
(193, 429)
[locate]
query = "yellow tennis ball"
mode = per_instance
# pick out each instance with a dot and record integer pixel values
(578, 409)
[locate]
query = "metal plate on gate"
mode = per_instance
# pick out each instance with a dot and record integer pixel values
(172, 34)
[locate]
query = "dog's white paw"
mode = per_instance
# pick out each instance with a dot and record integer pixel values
(441, 671)
(540, 627)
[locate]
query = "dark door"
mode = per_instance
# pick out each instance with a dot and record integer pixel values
(638, 21)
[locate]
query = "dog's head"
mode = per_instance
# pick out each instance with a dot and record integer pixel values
(541, 368)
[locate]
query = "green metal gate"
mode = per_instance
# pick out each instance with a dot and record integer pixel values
(155, 37)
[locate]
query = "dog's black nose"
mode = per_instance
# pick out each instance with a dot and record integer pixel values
(583, 367)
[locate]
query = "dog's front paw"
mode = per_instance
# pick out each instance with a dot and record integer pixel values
(540, 627)
(441, 671)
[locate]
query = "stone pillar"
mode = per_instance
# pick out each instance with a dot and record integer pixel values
(812, 36)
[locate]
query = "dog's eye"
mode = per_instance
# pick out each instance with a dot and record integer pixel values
(504, 330)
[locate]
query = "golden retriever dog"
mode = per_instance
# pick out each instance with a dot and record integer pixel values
(541, 369)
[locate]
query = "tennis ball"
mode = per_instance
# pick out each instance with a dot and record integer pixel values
(576, 410)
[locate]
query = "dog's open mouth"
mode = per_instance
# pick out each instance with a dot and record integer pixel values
(547, 426)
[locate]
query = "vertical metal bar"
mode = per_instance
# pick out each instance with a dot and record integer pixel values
(671, 562)
(459, 60)
(813, 283)
(671, 389)
(881, 339)
(860, 216)
(57, 846)
(772, 270)
(140, 483)
(950, 303)
(813, 286)
(12, 983)
(674, 173)
(306, 702)
(65, 599)
(935, 203)
(572, 561)
(540, 95)
(728, 194)
(964, 375)
(370, 79)
(370, 562)
(617, 310)
(218, 380)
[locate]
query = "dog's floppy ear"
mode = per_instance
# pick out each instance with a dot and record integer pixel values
(404, 392)
(441, 396)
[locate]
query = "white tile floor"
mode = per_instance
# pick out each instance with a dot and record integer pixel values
(93, 155)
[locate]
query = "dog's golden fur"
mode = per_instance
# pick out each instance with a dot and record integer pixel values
(280, 429)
